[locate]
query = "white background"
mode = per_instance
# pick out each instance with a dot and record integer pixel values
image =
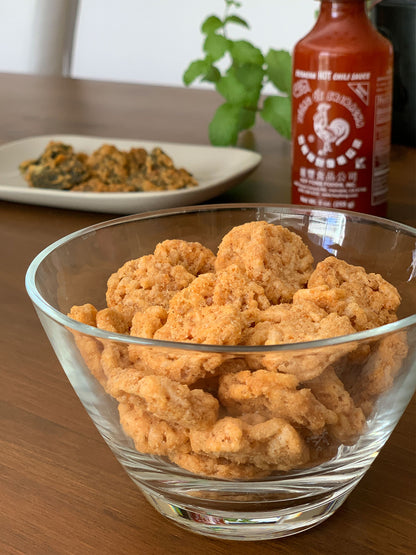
(144, 41)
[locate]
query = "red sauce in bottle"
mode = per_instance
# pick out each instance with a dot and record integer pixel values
(341, 111)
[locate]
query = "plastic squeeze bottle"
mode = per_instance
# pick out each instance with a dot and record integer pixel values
(341, 111)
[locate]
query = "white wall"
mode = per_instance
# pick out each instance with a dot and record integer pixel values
(146, 41)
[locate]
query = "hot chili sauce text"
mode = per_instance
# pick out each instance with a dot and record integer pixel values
(341, 111)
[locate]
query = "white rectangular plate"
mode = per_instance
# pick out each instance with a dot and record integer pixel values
(217, 169)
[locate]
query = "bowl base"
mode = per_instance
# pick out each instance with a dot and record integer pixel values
(247, 526)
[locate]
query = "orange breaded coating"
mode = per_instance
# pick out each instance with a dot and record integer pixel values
(242, 414)
(289, 323)
(116, 366)
(198, 294)
(169, 401)
(368, 300)
(86, 314)
(217, 467)
(89, 347)
(202, 304)
(211, 325)
(110, 319)
(233, 287)
(273, 395)
(228, 288)
(151, 435)
(193, 256)
(214, 309)
(273, 444)
(145, 282)
(180, 365)
(109, 164)
(330, 391)
(210, 383)
(208, 325)
(145, 324)
(378, 374)
(271, 255)
(193, 317)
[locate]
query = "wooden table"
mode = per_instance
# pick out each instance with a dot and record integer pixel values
(61, 489)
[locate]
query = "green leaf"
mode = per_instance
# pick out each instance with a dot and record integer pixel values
(211, 24)
(237, 92)
(250, 75)
(194, 70)
(231, 89)
(277, 111)
(279, 69)
(225, 125)
(247, 119)
(243, 52)
(212, 75)
(237, 20)
(215, 46)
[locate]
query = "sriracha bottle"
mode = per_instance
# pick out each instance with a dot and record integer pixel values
(341, 111)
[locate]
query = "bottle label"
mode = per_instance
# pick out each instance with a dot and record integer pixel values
(342, 138)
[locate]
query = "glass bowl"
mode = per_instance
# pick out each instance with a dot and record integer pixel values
(211, 488)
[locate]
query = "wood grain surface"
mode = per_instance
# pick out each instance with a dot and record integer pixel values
(61, 489)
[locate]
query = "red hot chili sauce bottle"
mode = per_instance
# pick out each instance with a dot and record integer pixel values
(341, 111)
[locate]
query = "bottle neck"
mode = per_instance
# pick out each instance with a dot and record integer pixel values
(336, 9)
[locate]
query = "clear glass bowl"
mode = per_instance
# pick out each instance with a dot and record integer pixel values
(75, 269)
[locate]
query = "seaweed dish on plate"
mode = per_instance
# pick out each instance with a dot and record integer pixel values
(107, 169)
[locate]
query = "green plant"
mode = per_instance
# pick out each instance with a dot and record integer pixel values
(242, 83)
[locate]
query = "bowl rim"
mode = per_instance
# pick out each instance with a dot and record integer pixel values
(41, 304)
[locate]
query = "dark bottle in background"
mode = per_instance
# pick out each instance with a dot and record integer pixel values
(396, 20)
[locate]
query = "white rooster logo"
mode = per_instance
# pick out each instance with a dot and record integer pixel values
(335, 131)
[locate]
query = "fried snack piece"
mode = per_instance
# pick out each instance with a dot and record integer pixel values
(227, 288)
(146, 323)
(272, 395)
(89, 347)
(136, 159)
(210, 325)
(116, 367)
(330, 391)
(169, 401)
(182, 366)
(157, 172)
(145, 282)
(217, 467)
(290, 323)
(107, 169)
(214, 309)
(86, 314)
(242, 416)
(271, 255)
(368, 300)
(270, 445)
(150, 434)
(193, 256)
(109, 165)
(191, 316)
(380, 370)
(233, 287)
(177, 364)
(58, 167)
(110, 319)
